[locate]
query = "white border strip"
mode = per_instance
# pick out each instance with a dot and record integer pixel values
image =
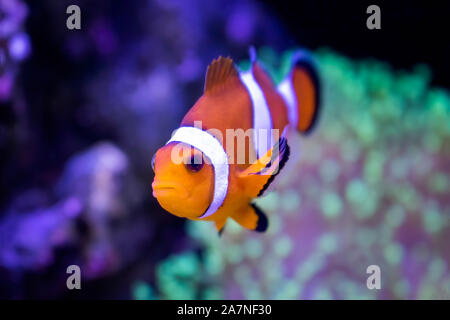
(262, 120)
(286, 90)
(211, 148)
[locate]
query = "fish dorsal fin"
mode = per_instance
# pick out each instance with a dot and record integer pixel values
(220, 73)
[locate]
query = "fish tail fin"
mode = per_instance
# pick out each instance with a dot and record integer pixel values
(301, 92)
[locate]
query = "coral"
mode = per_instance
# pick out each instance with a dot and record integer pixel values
(94, 211)
(28, 238)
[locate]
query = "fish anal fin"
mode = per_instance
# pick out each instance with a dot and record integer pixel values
(220, 73)
(252, 218)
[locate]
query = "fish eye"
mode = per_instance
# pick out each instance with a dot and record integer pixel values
(195, 163)
(153, 161)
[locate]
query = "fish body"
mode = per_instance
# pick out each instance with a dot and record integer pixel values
(213, 171)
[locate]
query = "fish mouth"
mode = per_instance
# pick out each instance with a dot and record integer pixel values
(163, 188)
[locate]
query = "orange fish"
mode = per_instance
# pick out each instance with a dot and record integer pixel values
(228, 148)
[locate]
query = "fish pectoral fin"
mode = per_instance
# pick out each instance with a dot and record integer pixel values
(258, 166)
(261, 173)
(252, 218)
(268, 163)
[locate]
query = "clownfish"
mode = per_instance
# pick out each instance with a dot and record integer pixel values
(207, 182)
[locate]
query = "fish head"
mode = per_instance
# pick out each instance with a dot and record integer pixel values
(184, 180)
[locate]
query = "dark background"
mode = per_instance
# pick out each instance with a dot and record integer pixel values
(411, 31)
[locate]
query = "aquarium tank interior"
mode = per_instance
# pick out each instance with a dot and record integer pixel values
(83, 110)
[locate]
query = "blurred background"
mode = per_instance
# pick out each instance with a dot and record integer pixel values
(83, 111)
